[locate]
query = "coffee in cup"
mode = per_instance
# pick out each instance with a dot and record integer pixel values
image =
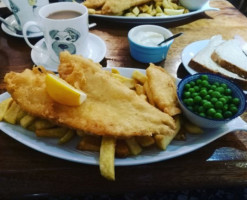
(65, 28)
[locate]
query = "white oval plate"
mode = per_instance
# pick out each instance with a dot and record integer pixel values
(150, 155)
(153, 20)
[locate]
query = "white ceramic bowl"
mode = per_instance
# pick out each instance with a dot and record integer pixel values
(148, 52)
(193, 4)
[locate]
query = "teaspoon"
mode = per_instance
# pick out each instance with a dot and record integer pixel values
(170, 38)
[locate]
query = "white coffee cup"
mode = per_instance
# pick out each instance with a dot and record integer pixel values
(25, 10)
(67, 33)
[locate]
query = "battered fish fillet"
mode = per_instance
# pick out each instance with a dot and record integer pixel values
(113, 7)
(163, 89)
(94, 3)
(110, 109)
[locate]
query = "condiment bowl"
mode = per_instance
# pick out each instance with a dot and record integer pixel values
(193, 112)
(144, 40)
(193, 4)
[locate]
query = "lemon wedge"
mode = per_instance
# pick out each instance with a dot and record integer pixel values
(62, 92)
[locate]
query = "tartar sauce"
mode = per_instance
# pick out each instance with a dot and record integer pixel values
(148, 38)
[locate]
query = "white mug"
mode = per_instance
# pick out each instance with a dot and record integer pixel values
(25, 10)
(62, 33)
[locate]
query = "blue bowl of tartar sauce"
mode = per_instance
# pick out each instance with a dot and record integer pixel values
(144, 40)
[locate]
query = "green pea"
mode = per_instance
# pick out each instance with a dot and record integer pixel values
(214, 100)
(213, 87)
(202, 114)
(204, 77)
(211, 112)
(197, 88)
(223, 85)
(205, 83)
(236, 101)
(207, 105)
(220, 90)
(190, 101)
(187, 86)
(197, 99)
(201, 109)
(223, 100)
(216, 94)
(186, 94)
(194, 94)
(219, 105)
(192, 90)
(207, 97)
(227, 114)
(218, 115)
(233, 109)
(203, 92)
(192, 83)
(228, 91)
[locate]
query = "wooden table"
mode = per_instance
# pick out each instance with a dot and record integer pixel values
(222, 163)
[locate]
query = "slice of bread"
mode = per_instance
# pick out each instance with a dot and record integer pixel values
(230, 56)
(202, 62)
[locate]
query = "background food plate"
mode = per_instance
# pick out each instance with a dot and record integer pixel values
(150, 155)
(153, 20)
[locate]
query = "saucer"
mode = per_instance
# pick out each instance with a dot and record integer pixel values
(96, 52)
(11, 20)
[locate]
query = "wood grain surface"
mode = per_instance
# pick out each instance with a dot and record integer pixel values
(222, 163)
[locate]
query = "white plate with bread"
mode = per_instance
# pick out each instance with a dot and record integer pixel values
(215, 55)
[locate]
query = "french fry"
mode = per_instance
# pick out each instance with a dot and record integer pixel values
(91, 11)
(140, 77)
(162, 141)
(144, 15)
(134, 147)
(192, 128)
(145, 141)
(106, 158)
(122, 149)
(115, 71)
(139, 89)
(4, 105)
(181, 136)
(130, 14)
(135, 11)
(80, 133)
(10, 115)
(130, 83)
(89, 143)
(20, 115)
(173, 12)
(51, 133)
(27, 120)
(67, 137)
(43, 124)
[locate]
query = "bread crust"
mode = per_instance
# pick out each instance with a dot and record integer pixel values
(229, 66)
(201, 68)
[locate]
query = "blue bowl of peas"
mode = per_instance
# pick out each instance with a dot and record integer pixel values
(209, 100)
